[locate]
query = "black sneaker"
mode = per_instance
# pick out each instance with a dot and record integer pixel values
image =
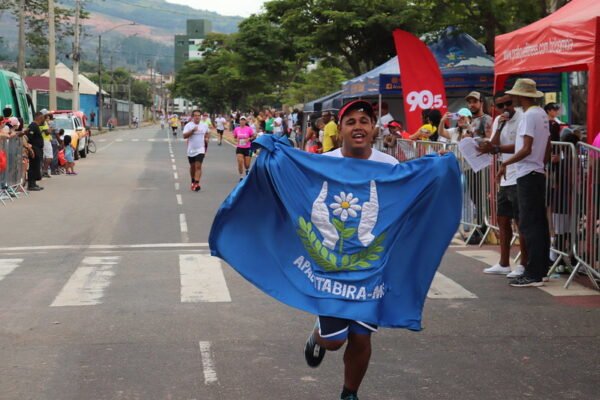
(313, 352)
(350, 397)
(525, 281)
(197, 188)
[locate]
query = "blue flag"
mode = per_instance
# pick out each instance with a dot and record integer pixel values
(341, 237)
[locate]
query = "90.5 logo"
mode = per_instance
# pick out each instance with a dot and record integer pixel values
(424, 100)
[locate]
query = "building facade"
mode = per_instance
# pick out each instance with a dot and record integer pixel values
(187, 46)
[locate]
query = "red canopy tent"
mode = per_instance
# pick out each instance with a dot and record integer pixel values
(567, 40)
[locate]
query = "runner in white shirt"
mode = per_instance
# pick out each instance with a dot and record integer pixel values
(278, 124)
(197, 134)
(220, 121)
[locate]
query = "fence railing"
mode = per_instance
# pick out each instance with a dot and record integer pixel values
(572, 199)
(11, 178)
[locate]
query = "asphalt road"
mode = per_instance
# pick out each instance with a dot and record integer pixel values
(99, 300)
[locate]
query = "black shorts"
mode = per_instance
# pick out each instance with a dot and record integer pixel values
(197, 158)
(332, 328)
(244, 152)
(220, 131)
(508, 205)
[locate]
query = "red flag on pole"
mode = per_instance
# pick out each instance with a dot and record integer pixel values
(422, 82)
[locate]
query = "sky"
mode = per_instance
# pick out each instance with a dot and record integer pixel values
(242, 8)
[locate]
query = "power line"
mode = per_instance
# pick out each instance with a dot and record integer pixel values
(164, 10)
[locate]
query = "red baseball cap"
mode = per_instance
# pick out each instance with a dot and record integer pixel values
(361, 105)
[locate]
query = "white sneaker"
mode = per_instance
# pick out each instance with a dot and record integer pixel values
(518, 271)
(497, 269)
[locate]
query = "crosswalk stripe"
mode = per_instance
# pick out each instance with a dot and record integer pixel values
(88, 283)
(208, 366)
(8, 265)
(443, 287)
(202, 279)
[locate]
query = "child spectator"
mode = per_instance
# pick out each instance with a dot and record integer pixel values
(69, 156)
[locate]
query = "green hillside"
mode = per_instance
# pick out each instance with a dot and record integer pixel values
(158, 14)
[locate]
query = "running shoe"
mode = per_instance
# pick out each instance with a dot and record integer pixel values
(193, 187)
(497, 270)
(350, 397)
(197, 188)
(313, 352)
(525, 281)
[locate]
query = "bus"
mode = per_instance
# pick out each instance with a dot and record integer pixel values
(14, 95)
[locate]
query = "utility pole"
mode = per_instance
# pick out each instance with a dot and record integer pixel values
(76, 57)
(51, 56)
(100, 99)
(21, 58)
(129, 98)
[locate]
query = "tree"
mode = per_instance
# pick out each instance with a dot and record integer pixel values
(314, 84)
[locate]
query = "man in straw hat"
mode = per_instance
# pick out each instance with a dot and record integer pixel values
(532, 152)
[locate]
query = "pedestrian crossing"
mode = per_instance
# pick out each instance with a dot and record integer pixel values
(201, 278)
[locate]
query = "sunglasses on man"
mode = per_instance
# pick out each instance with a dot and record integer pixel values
(505, 104)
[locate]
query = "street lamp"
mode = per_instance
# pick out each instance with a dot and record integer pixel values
(101, 105)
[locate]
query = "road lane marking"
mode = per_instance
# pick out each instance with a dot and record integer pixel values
(176, 176)
(105, 147)
(443, 287)
(174, 167)
(208, 365)
(176, 186)
(182, 223)
(8, 265)
(135, 140)
(179, 200)
(202, 279)
(119, 140)
(88, 283)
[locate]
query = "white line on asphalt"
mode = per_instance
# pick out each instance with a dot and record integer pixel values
(183, 223)
(208, 366)
(88, 283)
(172, 160)
(101, 140)
(119, 140)
(175, 175)
(174, 167)
(135, 140)
(104, 247)
(105, 147)
(179, 200)
(202, 279)
(176, 186)
(8, 265)
(443, 287)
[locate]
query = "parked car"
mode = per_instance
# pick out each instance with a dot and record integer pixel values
(73, 122)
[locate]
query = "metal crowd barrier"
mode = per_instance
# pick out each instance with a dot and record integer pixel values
(561, 184)
(586, 215)
(11, 179)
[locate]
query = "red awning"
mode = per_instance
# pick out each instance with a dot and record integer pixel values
(43, 83)
(567, 40)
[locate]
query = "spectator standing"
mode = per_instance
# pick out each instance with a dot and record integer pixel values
(386, 118)
(69, 156)
(462, 129)
(552, 110)
(482, 123)
(92, 117)
(278, 124)
(532, 152)
(505, 128)
(35, 139)
(330, 132)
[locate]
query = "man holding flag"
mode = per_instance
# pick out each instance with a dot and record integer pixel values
(356, 130)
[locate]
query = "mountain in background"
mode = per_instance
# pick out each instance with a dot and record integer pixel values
(151, 38)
